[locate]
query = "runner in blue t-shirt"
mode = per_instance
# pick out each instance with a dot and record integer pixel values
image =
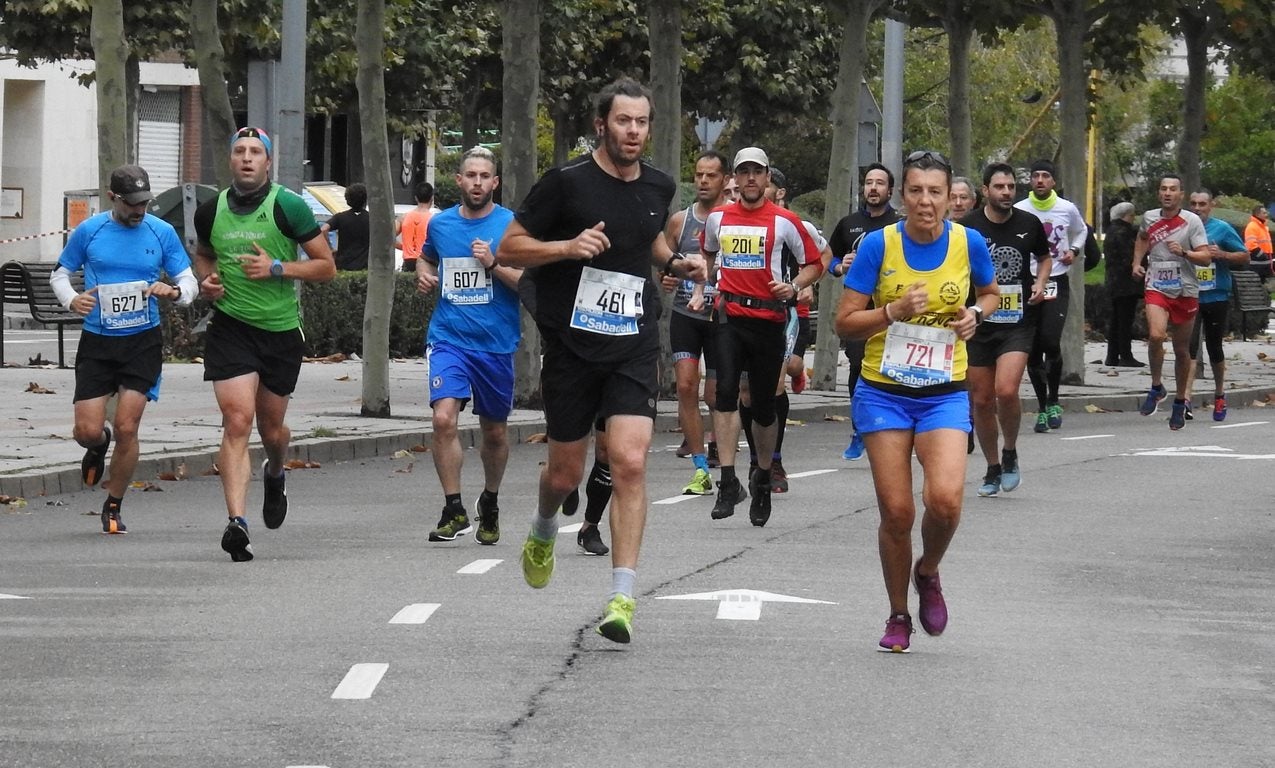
(123, 253)
(473, 333)
(1228, 251)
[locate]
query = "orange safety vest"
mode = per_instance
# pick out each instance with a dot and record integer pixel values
(1257, 236)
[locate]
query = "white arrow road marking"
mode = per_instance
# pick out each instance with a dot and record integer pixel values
(416, 613)
(742, 604)
(1085, 437)
(360, 681)
(1241, 424)
(480, 566)
(3, 596)
(811, 473)
(573, 528)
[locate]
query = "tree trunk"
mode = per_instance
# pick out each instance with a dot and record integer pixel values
(665, 31)
(110, 52)
(370, 39)
(843, 171)
(210, 58)
(520, 52)
(1197, 32)
(1071, 26)
(960, 33)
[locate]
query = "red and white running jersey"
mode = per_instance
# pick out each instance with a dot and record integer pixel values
(749, 246)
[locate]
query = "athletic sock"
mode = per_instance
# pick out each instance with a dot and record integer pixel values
(622, 581)
(781, 417)
(700, 460)
(544, 528)
(728, 475)
(489, 497)
(452, 500)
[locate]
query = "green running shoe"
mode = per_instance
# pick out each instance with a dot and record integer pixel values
(452, 524)
(1054, 413)
(1042, 422)
(537, 561)
(701, 484)
(617, 625)
(488, 522)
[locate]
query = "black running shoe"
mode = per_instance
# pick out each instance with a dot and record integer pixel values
(275, 506)
(111, 522)
(589, 540)
(727, 497)
(453, 524)
(778, 477)
(93, 465)
(488, 520)
(759, 509)
(235, 540)
(571, 503)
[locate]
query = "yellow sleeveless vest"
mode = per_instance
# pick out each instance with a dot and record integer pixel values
(949, 285)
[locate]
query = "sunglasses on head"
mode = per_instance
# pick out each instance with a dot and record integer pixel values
(921, 155)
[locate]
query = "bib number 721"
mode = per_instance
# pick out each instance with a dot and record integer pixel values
(920, 355)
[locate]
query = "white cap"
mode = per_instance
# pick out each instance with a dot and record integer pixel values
(751, 155)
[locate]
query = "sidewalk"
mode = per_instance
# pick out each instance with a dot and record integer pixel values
(182, 432)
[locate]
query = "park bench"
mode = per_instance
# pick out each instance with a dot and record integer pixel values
(1251, 300)
(27, 284)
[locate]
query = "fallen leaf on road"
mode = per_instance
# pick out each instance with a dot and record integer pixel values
(148, 487)
(13, 502)
(836, 417)
(169, 476)
(333, 358)
(56, 503)
(301, 464)
(406, 470)
(402, 454)
(794, 423)
(342, 378)
(1091, 408)
(418, 448)
(213, 470)
(36, 389)
(539, 437)
(1259, 403)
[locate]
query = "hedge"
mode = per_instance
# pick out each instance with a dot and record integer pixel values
(331, 316)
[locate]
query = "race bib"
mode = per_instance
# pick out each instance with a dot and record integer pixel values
(1165, 276)
(609, 303)
(918, 355)
(1051, 290)
(465, 281)
(1011, 306)
(123, 305)
(742, 247)
(1206, 277)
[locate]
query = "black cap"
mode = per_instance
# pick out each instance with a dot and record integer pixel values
(132, 184)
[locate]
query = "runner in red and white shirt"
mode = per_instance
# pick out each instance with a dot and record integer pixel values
(1173, 241)
(746, 243)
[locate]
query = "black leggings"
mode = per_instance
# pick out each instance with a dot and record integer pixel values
(1044, 363)
(1212, 318)
(753, 345)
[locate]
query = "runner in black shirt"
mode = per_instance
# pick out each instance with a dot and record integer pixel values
(875, 213)
(998, 352)
(592, 229)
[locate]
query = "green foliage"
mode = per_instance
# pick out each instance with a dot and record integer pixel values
(332, 315)
(1239, 141)
(810, 206)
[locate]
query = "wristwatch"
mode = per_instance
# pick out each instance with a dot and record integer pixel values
(978, 314)
(276, 268)
(667, 269)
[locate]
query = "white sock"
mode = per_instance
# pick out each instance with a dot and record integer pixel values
(622, 581)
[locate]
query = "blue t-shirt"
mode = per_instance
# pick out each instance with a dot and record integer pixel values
(475, 311)
(1225, 237)
(112, 255)
(866, 270)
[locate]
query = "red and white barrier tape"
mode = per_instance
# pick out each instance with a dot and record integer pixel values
(35, 237)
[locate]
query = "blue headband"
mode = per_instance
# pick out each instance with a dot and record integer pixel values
(254, 133)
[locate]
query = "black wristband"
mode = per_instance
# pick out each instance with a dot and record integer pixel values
(667, 270)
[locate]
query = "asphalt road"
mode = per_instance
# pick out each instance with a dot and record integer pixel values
(1115, 610)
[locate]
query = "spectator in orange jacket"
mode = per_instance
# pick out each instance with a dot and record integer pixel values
(1257, 241)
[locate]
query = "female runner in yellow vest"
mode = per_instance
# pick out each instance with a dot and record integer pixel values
(911, 392)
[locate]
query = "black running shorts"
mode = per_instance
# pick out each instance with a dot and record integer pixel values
(234, 348)
(577, 392)
(993, 340)
(106, 364)
(693, 338)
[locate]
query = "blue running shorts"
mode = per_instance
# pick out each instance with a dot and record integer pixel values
(485, 377)
(876, 410)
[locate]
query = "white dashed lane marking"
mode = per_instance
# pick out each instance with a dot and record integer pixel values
(570, 528)
(678, 499)
(1241, 424)
(416, 613)
(12, 597)
(1085, 437)
(480, 566)
(811, 473)
(360, 681)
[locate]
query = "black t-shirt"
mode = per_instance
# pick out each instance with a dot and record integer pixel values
(1012, 244)
(352, 228)
(851, 229)
(570, 199)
